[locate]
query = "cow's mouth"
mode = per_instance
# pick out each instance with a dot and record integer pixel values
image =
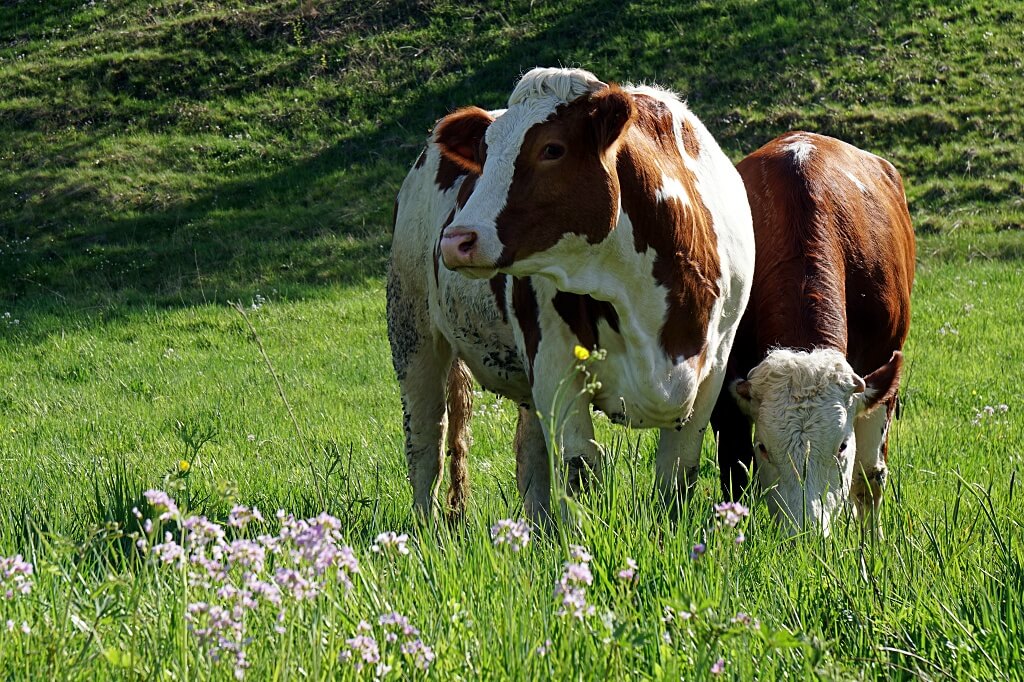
(475, 271)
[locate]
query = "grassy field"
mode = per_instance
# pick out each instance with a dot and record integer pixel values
(160, 160)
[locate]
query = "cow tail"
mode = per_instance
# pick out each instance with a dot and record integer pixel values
(460, 409)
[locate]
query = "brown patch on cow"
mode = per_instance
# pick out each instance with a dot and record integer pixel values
(654, 118)
(465, 191)
(681, 233)
(497, 284)
(587, 130)
(527, 312)
(421, 159)
(834, 264)
(582, 314)
(691, 145)
(448, 173)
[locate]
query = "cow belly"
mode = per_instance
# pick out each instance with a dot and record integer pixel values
(498, 368)
(467, 314)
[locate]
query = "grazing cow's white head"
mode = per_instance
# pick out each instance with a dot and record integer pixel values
(804, 406)
(545, 167)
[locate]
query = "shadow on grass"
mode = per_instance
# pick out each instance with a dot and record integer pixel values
(325, 220)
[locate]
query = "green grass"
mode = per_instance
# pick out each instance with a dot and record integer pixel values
(158, 160)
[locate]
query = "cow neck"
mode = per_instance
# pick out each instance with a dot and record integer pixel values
(672, 228)
(799, 278)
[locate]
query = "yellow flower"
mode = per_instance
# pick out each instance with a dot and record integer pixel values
(581, 353)
(183, 467)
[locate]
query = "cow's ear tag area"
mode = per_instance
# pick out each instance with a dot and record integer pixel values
(458, 136)
(613, 111)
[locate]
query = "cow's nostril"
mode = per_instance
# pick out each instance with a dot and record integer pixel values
(467, 243)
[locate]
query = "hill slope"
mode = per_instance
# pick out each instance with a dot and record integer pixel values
(171, 151)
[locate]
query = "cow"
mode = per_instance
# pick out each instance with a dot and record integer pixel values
(584, 214)
(817, 359)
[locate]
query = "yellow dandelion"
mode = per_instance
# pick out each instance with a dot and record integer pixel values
(581, 353)
(183, 467)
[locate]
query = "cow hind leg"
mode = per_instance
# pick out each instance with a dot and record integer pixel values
(460, 410)
(421, 359)
(870, 470)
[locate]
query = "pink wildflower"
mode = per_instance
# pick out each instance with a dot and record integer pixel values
(515, 534)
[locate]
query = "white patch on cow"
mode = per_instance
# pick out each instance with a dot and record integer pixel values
(533, 101)
(860, 185)
(672, 188)
(801, 147)
(804, 409)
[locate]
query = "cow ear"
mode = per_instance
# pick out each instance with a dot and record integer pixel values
(740, 390)
(458, 135)
(613, 111)
(882, 384)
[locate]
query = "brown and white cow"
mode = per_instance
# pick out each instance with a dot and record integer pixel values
(584, 214)
(817, 358)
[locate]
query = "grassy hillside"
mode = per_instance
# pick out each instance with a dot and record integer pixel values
(159, 159)
(181, 151)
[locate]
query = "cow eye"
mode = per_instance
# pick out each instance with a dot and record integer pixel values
(842, 448)
(762, 450)
(552, 152)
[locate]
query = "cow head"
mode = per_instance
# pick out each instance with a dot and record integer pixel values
(804, 406)
(546, 171)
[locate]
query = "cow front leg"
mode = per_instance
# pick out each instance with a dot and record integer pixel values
(677, 460)
(564, 406)
(732, 429)
(870, 470)
(532, 470)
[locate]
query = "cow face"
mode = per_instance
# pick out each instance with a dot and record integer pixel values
(546, 171)
(804, 407)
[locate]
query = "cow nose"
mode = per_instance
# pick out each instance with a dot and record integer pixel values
(458, 246)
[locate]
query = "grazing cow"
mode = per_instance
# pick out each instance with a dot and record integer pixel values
(584, 214)
(816, 363)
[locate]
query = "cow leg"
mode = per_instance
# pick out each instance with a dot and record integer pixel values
(564, 405)
(532, 470)
(421, 358)
(870, 469)
(426, 420)
(735, 454)
(677, 459)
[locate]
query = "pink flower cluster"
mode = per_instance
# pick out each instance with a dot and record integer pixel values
(363, 649)
(629, 572)
(513, 533)
(231, 578)
(15, 576)
(571, 588)
(391, 544)
(731, 513)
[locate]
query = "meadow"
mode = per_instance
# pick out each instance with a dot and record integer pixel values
(195, 212)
